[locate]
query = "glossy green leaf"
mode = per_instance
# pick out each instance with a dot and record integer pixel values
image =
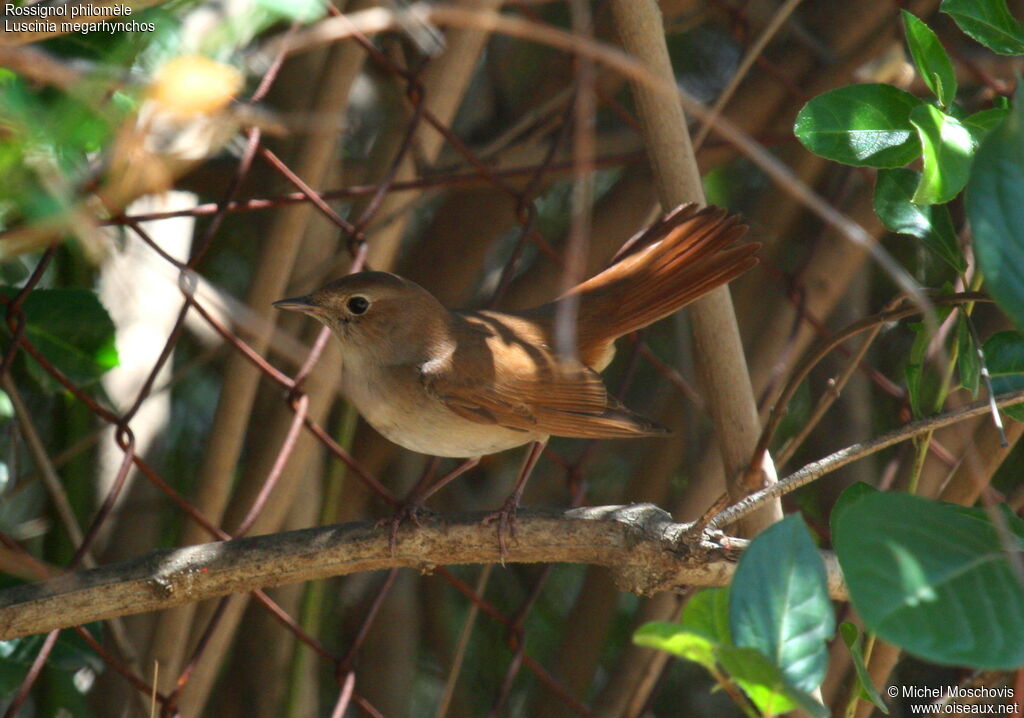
(861, 125)
(851, 637)
(947, 147)
(934, 579)
(930, 58)
(72, 330)
(894, 190)
(989, 22)
(981, 123)
(779, 604)
(995, 208)
(1004, 359)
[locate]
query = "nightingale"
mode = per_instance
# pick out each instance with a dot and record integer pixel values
(471, 383)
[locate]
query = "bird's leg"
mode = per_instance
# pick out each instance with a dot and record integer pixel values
(416, 499)
(450, 476)
(506, 516)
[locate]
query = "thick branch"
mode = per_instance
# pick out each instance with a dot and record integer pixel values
(638, 543)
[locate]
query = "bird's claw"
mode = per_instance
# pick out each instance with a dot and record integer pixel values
(409, 511)
(506, 518)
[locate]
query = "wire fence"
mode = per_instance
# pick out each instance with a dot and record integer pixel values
(523, 186)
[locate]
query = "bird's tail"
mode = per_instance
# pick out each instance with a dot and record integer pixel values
(682, 258)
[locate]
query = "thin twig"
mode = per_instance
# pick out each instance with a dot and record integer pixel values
(753, 52)
(817, 469)
(47, 473)
(828, 398)
(463, 644)
(825, 347)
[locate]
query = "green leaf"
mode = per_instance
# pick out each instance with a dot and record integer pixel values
(981, 123)
(707, 613)
(851, 494)
(930, 58)
(967, 362)
(1004, 359)
(914, 369)
(995, 208)
(989, 22)
(71, 329)
(759, 678)
(765, 684)
(851, 637)
(861, 125)
(704, 625)
(934, 579)
(779, 603)
(894, 190)
(947, 149)
(673, 638)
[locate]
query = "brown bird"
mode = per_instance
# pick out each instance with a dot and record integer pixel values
(470, 383)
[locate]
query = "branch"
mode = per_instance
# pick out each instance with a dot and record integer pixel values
(638, 543)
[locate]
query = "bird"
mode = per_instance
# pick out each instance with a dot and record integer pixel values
(466, 384)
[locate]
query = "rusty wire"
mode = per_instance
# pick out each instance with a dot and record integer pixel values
(292, 392)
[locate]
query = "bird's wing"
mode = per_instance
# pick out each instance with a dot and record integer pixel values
(518, 384)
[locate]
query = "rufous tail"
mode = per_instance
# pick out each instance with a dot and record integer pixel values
(695, 256)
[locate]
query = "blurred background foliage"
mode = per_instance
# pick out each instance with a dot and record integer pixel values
(101, 126)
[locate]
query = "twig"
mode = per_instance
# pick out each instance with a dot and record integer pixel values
(817, 469)
(828, 398)
(47, 473)
(463, 643)
(826, 346)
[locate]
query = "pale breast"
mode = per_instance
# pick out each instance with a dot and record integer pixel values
(395, 403)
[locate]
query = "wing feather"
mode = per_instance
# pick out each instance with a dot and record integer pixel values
(562, 397)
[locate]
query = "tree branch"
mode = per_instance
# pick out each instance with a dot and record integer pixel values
(638, 543)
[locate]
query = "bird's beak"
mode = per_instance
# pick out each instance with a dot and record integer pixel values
(297, 304)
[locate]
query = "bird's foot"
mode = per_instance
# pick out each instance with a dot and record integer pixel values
(506, 518)
(410, 511)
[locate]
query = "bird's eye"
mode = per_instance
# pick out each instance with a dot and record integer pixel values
(357, 304)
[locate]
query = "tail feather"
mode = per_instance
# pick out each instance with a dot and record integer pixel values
(694, 256)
